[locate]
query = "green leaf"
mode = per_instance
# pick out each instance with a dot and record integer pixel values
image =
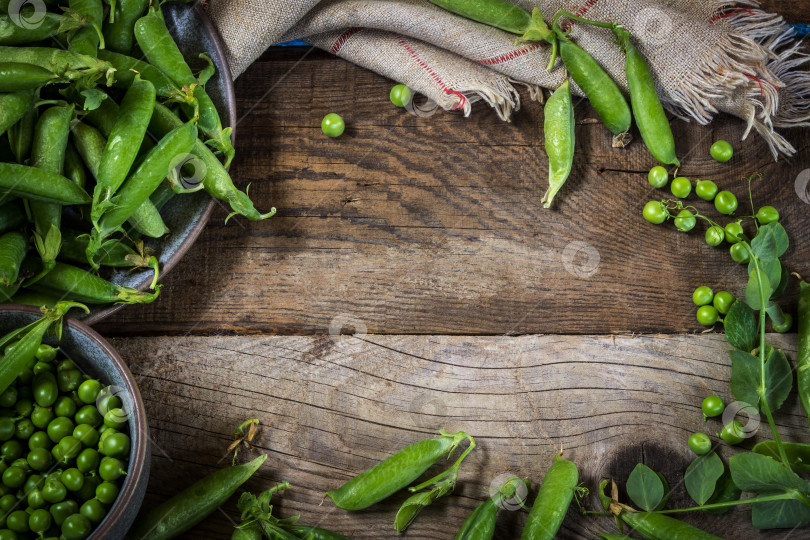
(757, 473)
(785, 514)
(771, 242)
(93, 98)
(745, 377)
(798, 454)
(741, 327)
(701, 477)
(778, 379)
(726, 491)
(784, 277)
(645, 488)
(757, 280)
(772, 269)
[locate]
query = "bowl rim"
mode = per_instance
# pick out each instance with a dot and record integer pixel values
(140, 428)
(229, 97)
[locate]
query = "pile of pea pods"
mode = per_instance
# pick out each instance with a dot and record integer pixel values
(100, 119)
(603, 93)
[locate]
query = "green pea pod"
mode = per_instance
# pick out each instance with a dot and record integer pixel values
(65, 64)
(605, 97)
(193, 504)
(73, 283)
(497, 13)
(559, 130)
(74, 167)
(13, 247)
(662, 527)
(217, 182)
(35, 184)
(48, 153)
(123, 142)
(16, 77)
(248, 531)
(118, 34)
(27, 297)
(126, 67)
(12, 216)
(142, 183)
(313, 533)
(90, 143)
(23, 355)
(87, 39)
(480, 525)
(417, 502)
(21, 135)
(12, 108)
(650, 117)
(161, 51)
(48, 25)
(552, 502)
(803, 354)
(394, 473)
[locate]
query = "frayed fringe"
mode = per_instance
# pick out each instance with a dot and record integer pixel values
(535, 91)
(502, 96)
(753, 74)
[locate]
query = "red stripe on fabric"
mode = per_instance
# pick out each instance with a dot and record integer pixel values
(579, 13)
(759, 82)
(729, 14)
(508, 56)
(434, 76)
(343, 38)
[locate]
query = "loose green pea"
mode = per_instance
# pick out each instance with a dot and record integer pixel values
(703, 295)
(722, 301)
(715, 235)
(681, 187)
(658, 177)
(706, 190)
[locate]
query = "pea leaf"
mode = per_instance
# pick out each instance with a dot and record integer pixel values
(745, 377)
(741, 327)
(772, 269)
(758, 474)
(93, 98)
(645, 488)
(701, 477)
(798, 454)
(771, 242)
(726, 491)
(785, 514)
(757, 280)
(778, 379)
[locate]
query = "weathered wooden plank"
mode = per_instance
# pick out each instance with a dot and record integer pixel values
(434, 225)
(331, 406)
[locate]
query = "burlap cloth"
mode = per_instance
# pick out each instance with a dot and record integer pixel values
(708, 56)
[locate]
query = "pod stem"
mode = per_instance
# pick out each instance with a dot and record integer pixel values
(600, 24)
(452, 472)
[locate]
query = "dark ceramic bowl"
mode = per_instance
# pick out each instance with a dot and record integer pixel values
(95, 357)
(185, 215)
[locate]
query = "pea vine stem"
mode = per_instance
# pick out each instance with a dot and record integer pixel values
(568, 14)
(761, 390)
(728, 504)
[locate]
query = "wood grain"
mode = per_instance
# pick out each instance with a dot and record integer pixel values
(434, 225)
(332, 406)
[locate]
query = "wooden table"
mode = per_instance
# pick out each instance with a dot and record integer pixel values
(411, 281)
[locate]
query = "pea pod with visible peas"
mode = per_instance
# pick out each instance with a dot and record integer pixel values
(803, 354)
(49, 25)
(123, 143)
(118, 34)
(35, 184)
(13, 248)
(73, 283)
(480, 525)
(396, 472)
(16, 77)
(162, 52)
(48, 153)
(217, 182)
(141, 184)
(559, 126)
(12, 108)
(65, 64)
(192, 505)
(556, 493)
(23, 354)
